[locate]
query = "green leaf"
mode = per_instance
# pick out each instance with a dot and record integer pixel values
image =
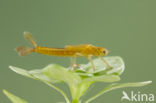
(76, 83)
(78, 80)
(117, 86)
(55, 73)
(14, 98)
(34, 74)
(103, 78)
(59, 73)
(115, 62)
(21, 71)
(39, 75)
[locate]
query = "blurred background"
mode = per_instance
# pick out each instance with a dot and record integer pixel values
(125, 27)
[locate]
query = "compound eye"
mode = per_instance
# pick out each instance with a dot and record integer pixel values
(104, 51)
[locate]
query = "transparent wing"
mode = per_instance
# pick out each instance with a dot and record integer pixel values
(76, 47)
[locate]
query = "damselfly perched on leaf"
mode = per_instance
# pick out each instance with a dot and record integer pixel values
(73, 51)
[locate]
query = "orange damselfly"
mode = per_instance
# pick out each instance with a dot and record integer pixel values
(84, 50)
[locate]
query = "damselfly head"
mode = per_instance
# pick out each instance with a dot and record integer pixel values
(103, 51)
